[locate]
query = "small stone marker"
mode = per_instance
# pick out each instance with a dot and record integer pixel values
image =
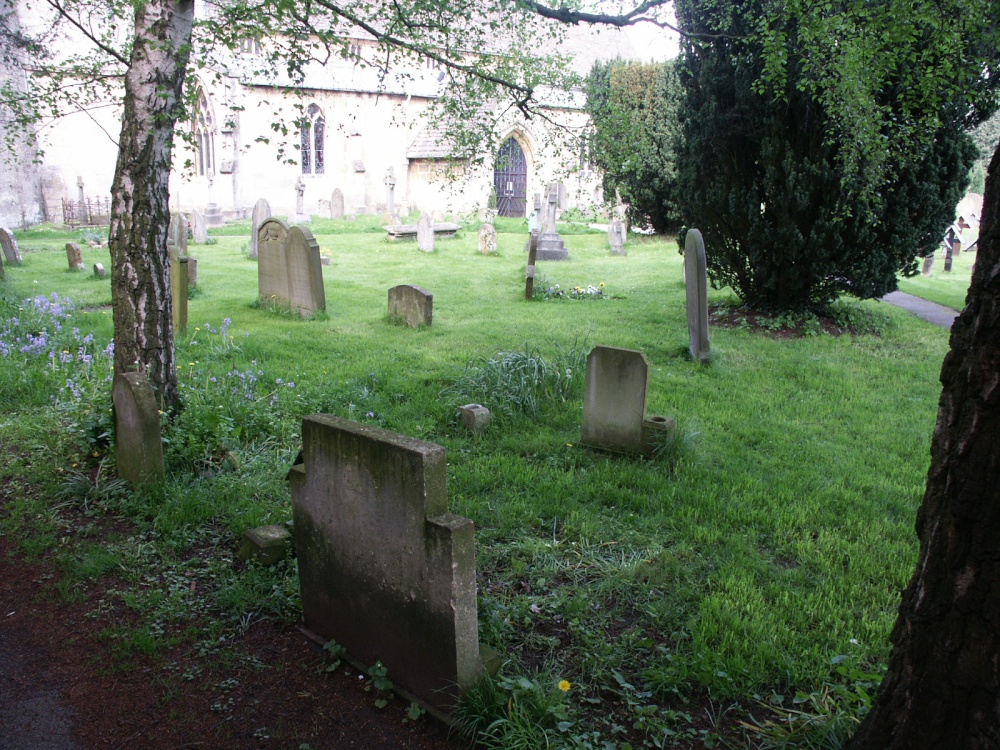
(614, 402)
(948, 258)
(11, 252)
(385, 570)
(615, 228)
(337, 204)
(529, 275)
(99, 271)
(390, 196)
(425, 233)
(928, 265)
(696, 281)
(267, 545)
(74, 257)
(179, 292)
(475, 417)
(199, 228)
(138, 448)
(261, 213)
(487, 239)
(289, 271)
(192, 271)
(550, 244)
(177, 233)
(411, 305)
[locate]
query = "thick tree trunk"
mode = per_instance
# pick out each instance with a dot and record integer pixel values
(140, 211)
(942, 690)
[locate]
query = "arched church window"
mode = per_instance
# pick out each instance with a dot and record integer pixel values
(203, 130)
(313, 132)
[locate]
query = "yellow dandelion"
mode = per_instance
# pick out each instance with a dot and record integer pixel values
(564, 685)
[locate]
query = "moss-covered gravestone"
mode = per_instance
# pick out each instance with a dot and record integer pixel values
(411, 305)
(138, 447)
(386, 571)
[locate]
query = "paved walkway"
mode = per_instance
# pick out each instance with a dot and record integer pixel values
(932, 312)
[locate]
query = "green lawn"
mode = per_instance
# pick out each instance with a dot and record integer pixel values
(775, 539)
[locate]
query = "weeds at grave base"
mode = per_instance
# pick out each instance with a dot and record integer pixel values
(674, 445)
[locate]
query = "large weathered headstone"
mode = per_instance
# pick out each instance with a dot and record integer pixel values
(177, 233)
(615, 237)
(614, 402)
(385, 570)
(138, 448)
(199, 228)
(261, 213)
(337, 204)
(74, 257)
(179, 291)
(289, 269)
(487, 239)
(11, 252)
(696, 281)
(411, 305)
(425, 233)
(550, 244)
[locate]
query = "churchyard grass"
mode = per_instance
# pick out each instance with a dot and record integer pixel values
(748, 568)
(948, 289)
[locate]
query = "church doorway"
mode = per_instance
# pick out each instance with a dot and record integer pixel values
(510, 179)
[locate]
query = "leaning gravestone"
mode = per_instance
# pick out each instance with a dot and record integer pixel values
(615, 237)
(289, 269)
(550, 244)
(696, 281)
(179, 291)
(74, 257)
(411, 305)
(337, 204)
(261, 213)
(487, 239)
(425, 233)
(11, 252)
(385, 570)
(138, 448)
(614, 402)
(199, 228)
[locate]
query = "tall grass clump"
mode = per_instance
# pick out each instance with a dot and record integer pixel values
(522, 382)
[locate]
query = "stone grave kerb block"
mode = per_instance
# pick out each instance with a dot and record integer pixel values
(138, 446)
(696, 282)
(384, 569)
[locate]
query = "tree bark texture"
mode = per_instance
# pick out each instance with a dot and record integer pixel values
(140, 209)
(942, 688)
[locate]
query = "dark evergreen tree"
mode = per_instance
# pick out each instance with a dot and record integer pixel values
(637, 136)
(785, 225)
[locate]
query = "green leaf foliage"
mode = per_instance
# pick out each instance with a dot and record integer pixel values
(636, 137)
(793, 210)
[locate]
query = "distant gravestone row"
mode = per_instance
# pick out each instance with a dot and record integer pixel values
(289, 269)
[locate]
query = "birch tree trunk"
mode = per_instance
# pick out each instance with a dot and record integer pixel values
(140, 207)
(942, 689)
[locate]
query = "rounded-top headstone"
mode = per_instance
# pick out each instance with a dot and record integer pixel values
(261, 213)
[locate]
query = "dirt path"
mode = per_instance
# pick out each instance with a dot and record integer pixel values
(60, 688)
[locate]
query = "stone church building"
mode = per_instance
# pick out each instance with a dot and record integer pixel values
(349, 129)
